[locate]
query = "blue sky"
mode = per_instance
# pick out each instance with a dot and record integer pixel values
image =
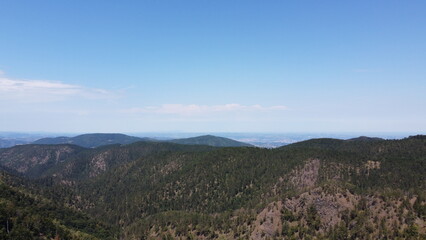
(213, 66)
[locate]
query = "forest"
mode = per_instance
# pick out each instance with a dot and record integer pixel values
(316, 189)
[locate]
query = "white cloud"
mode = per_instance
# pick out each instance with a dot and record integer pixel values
(194, 109)
(42, 90)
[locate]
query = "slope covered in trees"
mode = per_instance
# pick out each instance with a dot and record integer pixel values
(211, 141)
(34, 160)
(71, 162)
(101, 139)
(323, 188)
(93, 140)
(26, 215)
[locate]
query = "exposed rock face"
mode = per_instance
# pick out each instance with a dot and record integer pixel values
(331, 209)
(268, 222)
(300, 179)
(328, 206)
(307, 176)
(98, 163)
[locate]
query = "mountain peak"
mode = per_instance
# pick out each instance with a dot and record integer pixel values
(365, 139)
(211, 140)
(91, 140)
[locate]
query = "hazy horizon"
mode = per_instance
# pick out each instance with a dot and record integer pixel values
(233, 135)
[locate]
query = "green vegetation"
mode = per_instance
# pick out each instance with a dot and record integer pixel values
(93, 140)
(34, 160)
(211, 141)
(28, 216)
(321, 188)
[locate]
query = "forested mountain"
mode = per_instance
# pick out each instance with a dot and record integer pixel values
(93, 140)
(71, 162)
(34, 160)
(93, 162)
(101, 139)
(211, 141)
(320, 188)
(366, 139)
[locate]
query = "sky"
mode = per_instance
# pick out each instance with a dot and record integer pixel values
(213, 66)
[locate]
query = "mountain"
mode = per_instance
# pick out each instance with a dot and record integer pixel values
(100, 139)
(259, 193)
(93, 162)
(5, 143)
(211, 141)
(93, 140)
(366, 139)
(69, 162)
(33, 160)
(10, 139)
(316, 189)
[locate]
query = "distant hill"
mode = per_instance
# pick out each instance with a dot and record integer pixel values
(93, 140)
(211, 140)
(5, 143)
(366, 139)
(332, 143)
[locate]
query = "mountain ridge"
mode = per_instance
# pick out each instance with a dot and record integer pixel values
(93, 140)
(319, 188)
(211, 140)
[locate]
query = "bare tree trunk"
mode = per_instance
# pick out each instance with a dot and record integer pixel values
(7, 225)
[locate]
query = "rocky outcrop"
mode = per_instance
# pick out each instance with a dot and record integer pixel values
(321, 210)
(268, 222)
(99, 163)
(307, 176)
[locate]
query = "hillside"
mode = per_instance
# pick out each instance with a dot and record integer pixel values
(227, 188)
(320, 188)
(24, 215)
(93, 162)
(34, 160)
(70, 162)
(93, 140)
(211, 141)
